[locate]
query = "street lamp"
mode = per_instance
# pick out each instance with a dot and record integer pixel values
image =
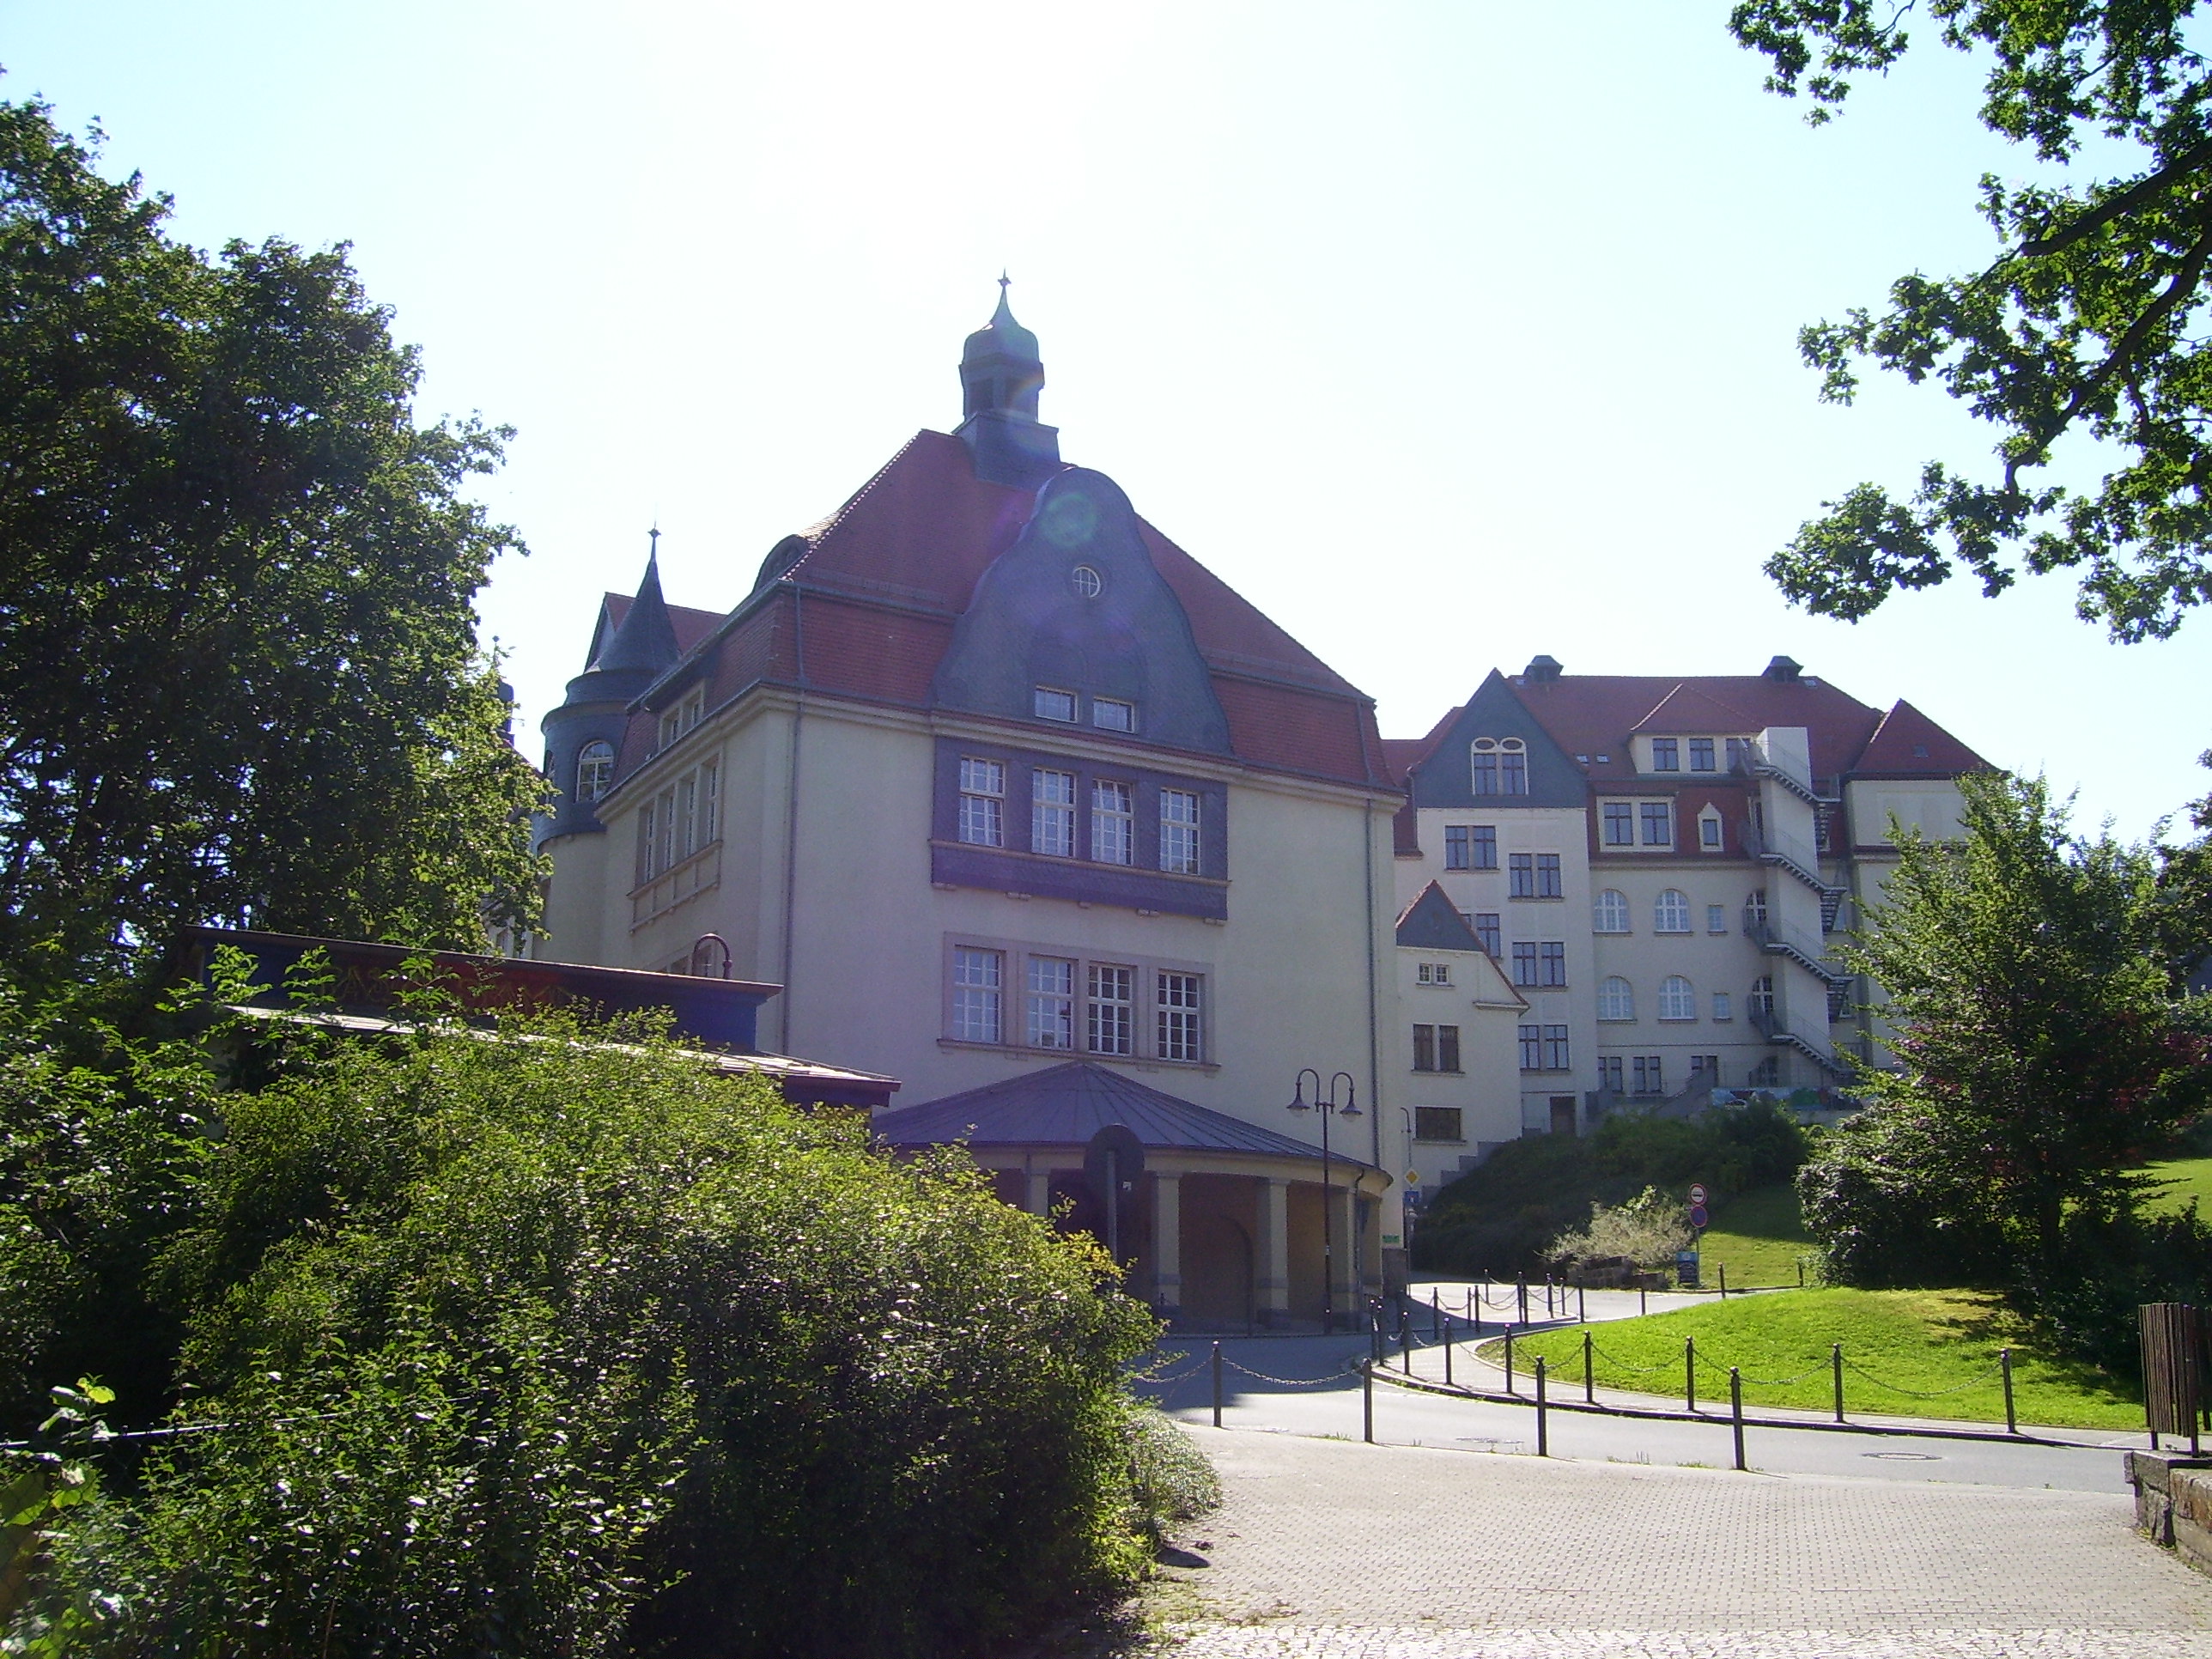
(1328, 1107)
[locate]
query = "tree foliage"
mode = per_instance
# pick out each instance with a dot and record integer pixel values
(2044, 1041)
(558, 1340)
(2089, 322)
(239, 675)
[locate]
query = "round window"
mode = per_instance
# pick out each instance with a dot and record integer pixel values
(1086, 582)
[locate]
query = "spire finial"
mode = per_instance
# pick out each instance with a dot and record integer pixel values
(653, 536)
(1005, 281)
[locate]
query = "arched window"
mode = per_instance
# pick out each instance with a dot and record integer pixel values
(1760, 1005)
(1616, 999)
(1610, 914)
(1678, 999)
(595, 770)
(1671, 914)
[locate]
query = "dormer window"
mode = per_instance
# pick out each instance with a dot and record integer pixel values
(595, 770)
(682, 718)
(1666, 754)
(1051, 705)
(1499, 766)
(1701, 754)
(1112, 714)
(1709, 830)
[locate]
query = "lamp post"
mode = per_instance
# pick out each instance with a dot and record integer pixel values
(1327, 1106)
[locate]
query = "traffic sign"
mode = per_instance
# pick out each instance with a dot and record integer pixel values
(1698, 1218)
(1697, 1191)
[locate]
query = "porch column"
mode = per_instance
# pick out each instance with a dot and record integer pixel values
(1039, 1192)
(1274, 1285)
(1167, 1245)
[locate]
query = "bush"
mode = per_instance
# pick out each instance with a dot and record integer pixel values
(2113, 1266)
(539, 1343)
(1647, 1229)
(1877, 1202)
(1169, 1479)
(1502, 1217)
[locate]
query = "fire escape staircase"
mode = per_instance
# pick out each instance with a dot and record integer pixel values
(1775, 1029)
(1799, 861)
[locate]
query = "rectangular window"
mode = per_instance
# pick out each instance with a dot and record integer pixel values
(1716, 918)
(1110, 1010)
(1482, 844)
(1646, 1074)
(1701, 754)
(1051, 1003)
(1447, 1048)
(1554, 955)
(1524, 962)
(1425, 1048)
(1522, 868)
(1437, 1123)
(1456, 847)
(1052, 812)
(1709, 833)
(687, 815)
(1181, 1035)
(1555, 1048)
(1052, 705)
(1179, 832)
(710, 802)
(1666, 754)
(978, 977)
(1513, 773)
(665, 853)
(1707, 1068)
(1112, 714)
(1436, 972)
(1112, 823)
(646, 844)
(1548, 883)
(1619, 824)
(1658, 824)
(1608, 1074)
(1532, 1047)
(1485, 772)
(982, 802)
(1722, 1009)
(1486, 933)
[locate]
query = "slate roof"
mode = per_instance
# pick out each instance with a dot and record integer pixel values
(1431, 923)
(1066, 1105)
(691, 626)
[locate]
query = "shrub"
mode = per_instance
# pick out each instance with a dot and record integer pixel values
(1647, 1229)
(1885, 1216)
(544, 1343)
(1169, 1479)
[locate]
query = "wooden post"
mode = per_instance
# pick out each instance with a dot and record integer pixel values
(2005, 1364)
(1543, 1427)
(1367, 1403)
(1736, 1410)
(1690, 1373)
(1723, 1266)
(1508, 1360)
(1435, 1317)
(1217, 1385)
(1836, 1360)
(1447, 1348)
(1582, 1307)
(1590, 1373)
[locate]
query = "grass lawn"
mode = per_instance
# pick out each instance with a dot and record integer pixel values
(1943, 1343)
(1757, 1236)
(2190, 1178)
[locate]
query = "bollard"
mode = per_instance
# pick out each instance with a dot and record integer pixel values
(1447, 1348)
(1435, 1317)
(1589, 1372)
(1643, 1296)
(1836, 1360)
(1543, 1428)
(1690, 1373)
(1550, 1312)
(1735, 1411)
(1521, 1289)
(1582, 1307)
(1367, 1403)
(1406, 1347)
(1217, 1385)
(1374, 1335)
(1404, 1329)
(1723, 1281)
(1475, 1314)
(2005, 1364)
(1801, 1273)
(1508, 1360)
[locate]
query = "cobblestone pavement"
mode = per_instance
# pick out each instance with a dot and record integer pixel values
(1332, 1548)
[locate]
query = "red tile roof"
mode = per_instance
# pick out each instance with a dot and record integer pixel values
(1593, 715)
(1909, 743)
(1690, 710)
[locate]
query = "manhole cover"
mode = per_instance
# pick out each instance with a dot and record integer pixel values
(1905, 1457)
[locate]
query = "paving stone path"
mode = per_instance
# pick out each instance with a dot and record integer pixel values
(1331, 1548)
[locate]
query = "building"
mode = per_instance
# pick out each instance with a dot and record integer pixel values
(1020, 804)
(1658, 866)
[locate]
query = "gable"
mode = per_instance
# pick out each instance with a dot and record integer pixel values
(1446, 778)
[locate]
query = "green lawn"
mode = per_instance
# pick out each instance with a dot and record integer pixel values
(1758, 1237)
(1942, 1343)
(2189, 1178)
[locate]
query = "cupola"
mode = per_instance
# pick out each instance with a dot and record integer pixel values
(1000, 375)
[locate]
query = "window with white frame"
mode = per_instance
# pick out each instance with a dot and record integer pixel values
(1179, 832)
(1716, 918)
(1760, 1003)
(1721, 1007)
(1678, 998)
(982, 802)
(1434, 973)
(1499, 766)
(1609, 912)
(1616, 999)
(978, 979)
(1711, 836)
(1181, 1033)
(1051, 705)
(1754, 909)
(1112, 823)
(1112, 714)
(1052, 812)
(681, 819)
(1051, 1003)
(595, 770)
(1670, 912)
(1657, 819)
(1110, 1016)
(1617, 822)
(682, 718)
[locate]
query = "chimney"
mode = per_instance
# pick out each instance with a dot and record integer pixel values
(1782, 668)
(1542, 671)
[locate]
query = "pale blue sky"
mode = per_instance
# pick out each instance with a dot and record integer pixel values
(1449, 333)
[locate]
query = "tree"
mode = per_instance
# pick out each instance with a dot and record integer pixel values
(2044, 1040)
(239, 673)
(2087, 324)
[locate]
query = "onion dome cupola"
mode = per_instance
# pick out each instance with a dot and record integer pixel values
(632, 646)
(1000, 375)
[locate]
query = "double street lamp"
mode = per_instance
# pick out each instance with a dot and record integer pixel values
(1327, 1105)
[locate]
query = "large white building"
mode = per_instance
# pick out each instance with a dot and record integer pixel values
(1019, 804)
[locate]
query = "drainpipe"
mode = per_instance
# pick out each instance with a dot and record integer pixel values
(791, 813)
